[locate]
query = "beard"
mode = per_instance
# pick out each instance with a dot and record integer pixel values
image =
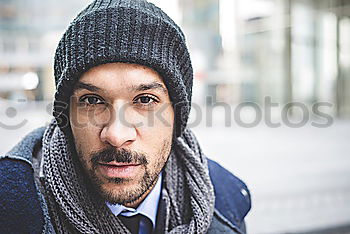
(118, 191)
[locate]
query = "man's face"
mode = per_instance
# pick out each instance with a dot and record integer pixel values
(122, 122)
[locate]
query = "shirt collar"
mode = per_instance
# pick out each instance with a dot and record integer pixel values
(148, 207)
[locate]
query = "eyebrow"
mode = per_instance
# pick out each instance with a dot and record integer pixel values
(153, 85)
(135, 88)
(81, 85)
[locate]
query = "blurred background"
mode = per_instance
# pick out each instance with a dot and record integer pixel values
(246, 55)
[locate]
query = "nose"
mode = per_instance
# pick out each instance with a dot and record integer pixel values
(118, 133)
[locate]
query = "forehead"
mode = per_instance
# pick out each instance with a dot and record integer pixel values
(112, 76)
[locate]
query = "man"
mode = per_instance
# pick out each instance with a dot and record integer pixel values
(117, 157)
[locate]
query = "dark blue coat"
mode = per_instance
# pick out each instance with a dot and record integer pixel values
(21, 211)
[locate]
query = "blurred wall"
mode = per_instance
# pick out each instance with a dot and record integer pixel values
(242, 50)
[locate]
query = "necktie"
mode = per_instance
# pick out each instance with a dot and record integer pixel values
(132, 222)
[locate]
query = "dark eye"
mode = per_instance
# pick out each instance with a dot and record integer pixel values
(92, 100)
(145, 100)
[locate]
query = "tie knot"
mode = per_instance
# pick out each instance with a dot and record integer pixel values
(131, 222)
(135, 222)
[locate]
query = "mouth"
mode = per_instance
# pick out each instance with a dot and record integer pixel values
(116, 169)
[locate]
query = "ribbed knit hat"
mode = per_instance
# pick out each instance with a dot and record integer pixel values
(131, 31)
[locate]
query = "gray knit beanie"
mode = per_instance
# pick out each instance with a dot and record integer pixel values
(131, 31)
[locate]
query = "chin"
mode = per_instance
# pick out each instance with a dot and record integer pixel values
(128, 190)
(121, 193)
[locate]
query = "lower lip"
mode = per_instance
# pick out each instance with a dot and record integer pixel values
(118, 171)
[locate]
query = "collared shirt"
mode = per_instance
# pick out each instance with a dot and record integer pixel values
(148, 207)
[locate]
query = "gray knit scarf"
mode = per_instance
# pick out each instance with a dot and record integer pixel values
(74, 208)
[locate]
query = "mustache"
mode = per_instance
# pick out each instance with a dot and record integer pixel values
(118, 155)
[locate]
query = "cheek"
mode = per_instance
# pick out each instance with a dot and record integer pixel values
(86, 135)
(86, 139)
(86, 125)
(95, 117)
(156, 128)
(164, 119)
(157, 139)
